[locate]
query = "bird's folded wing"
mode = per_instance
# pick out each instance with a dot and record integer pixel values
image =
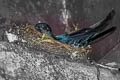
(79, 31)
(102, 35)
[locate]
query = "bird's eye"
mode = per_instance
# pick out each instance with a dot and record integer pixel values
(47, 29)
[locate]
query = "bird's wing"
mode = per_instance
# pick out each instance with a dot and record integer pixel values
(90, 37)
(102, 35)
(79, 31)
(78, 37)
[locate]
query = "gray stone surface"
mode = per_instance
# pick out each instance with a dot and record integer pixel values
(18, 63)
(112, 56)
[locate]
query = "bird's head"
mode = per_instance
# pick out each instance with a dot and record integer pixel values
(43, 28)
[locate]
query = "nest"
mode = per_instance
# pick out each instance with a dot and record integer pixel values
(33, 38)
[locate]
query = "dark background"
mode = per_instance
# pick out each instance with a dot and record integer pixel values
(81, 12)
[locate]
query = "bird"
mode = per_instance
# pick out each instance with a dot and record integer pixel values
(81, 37)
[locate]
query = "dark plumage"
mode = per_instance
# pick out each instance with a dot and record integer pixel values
(83, 37)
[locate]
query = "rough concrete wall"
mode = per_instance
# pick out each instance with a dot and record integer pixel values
(21, 63)
(59, 13)
(96, 9)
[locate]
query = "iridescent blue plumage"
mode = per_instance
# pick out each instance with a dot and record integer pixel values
(82, 37)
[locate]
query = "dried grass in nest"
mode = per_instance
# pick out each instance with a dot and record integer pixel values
(28, 33)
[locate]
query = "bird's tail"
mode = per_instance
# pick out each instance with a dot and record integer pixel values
(102, 35)
(99, 26)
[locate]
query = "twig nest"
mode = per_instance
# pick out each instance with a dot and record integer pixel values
(33, 38)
